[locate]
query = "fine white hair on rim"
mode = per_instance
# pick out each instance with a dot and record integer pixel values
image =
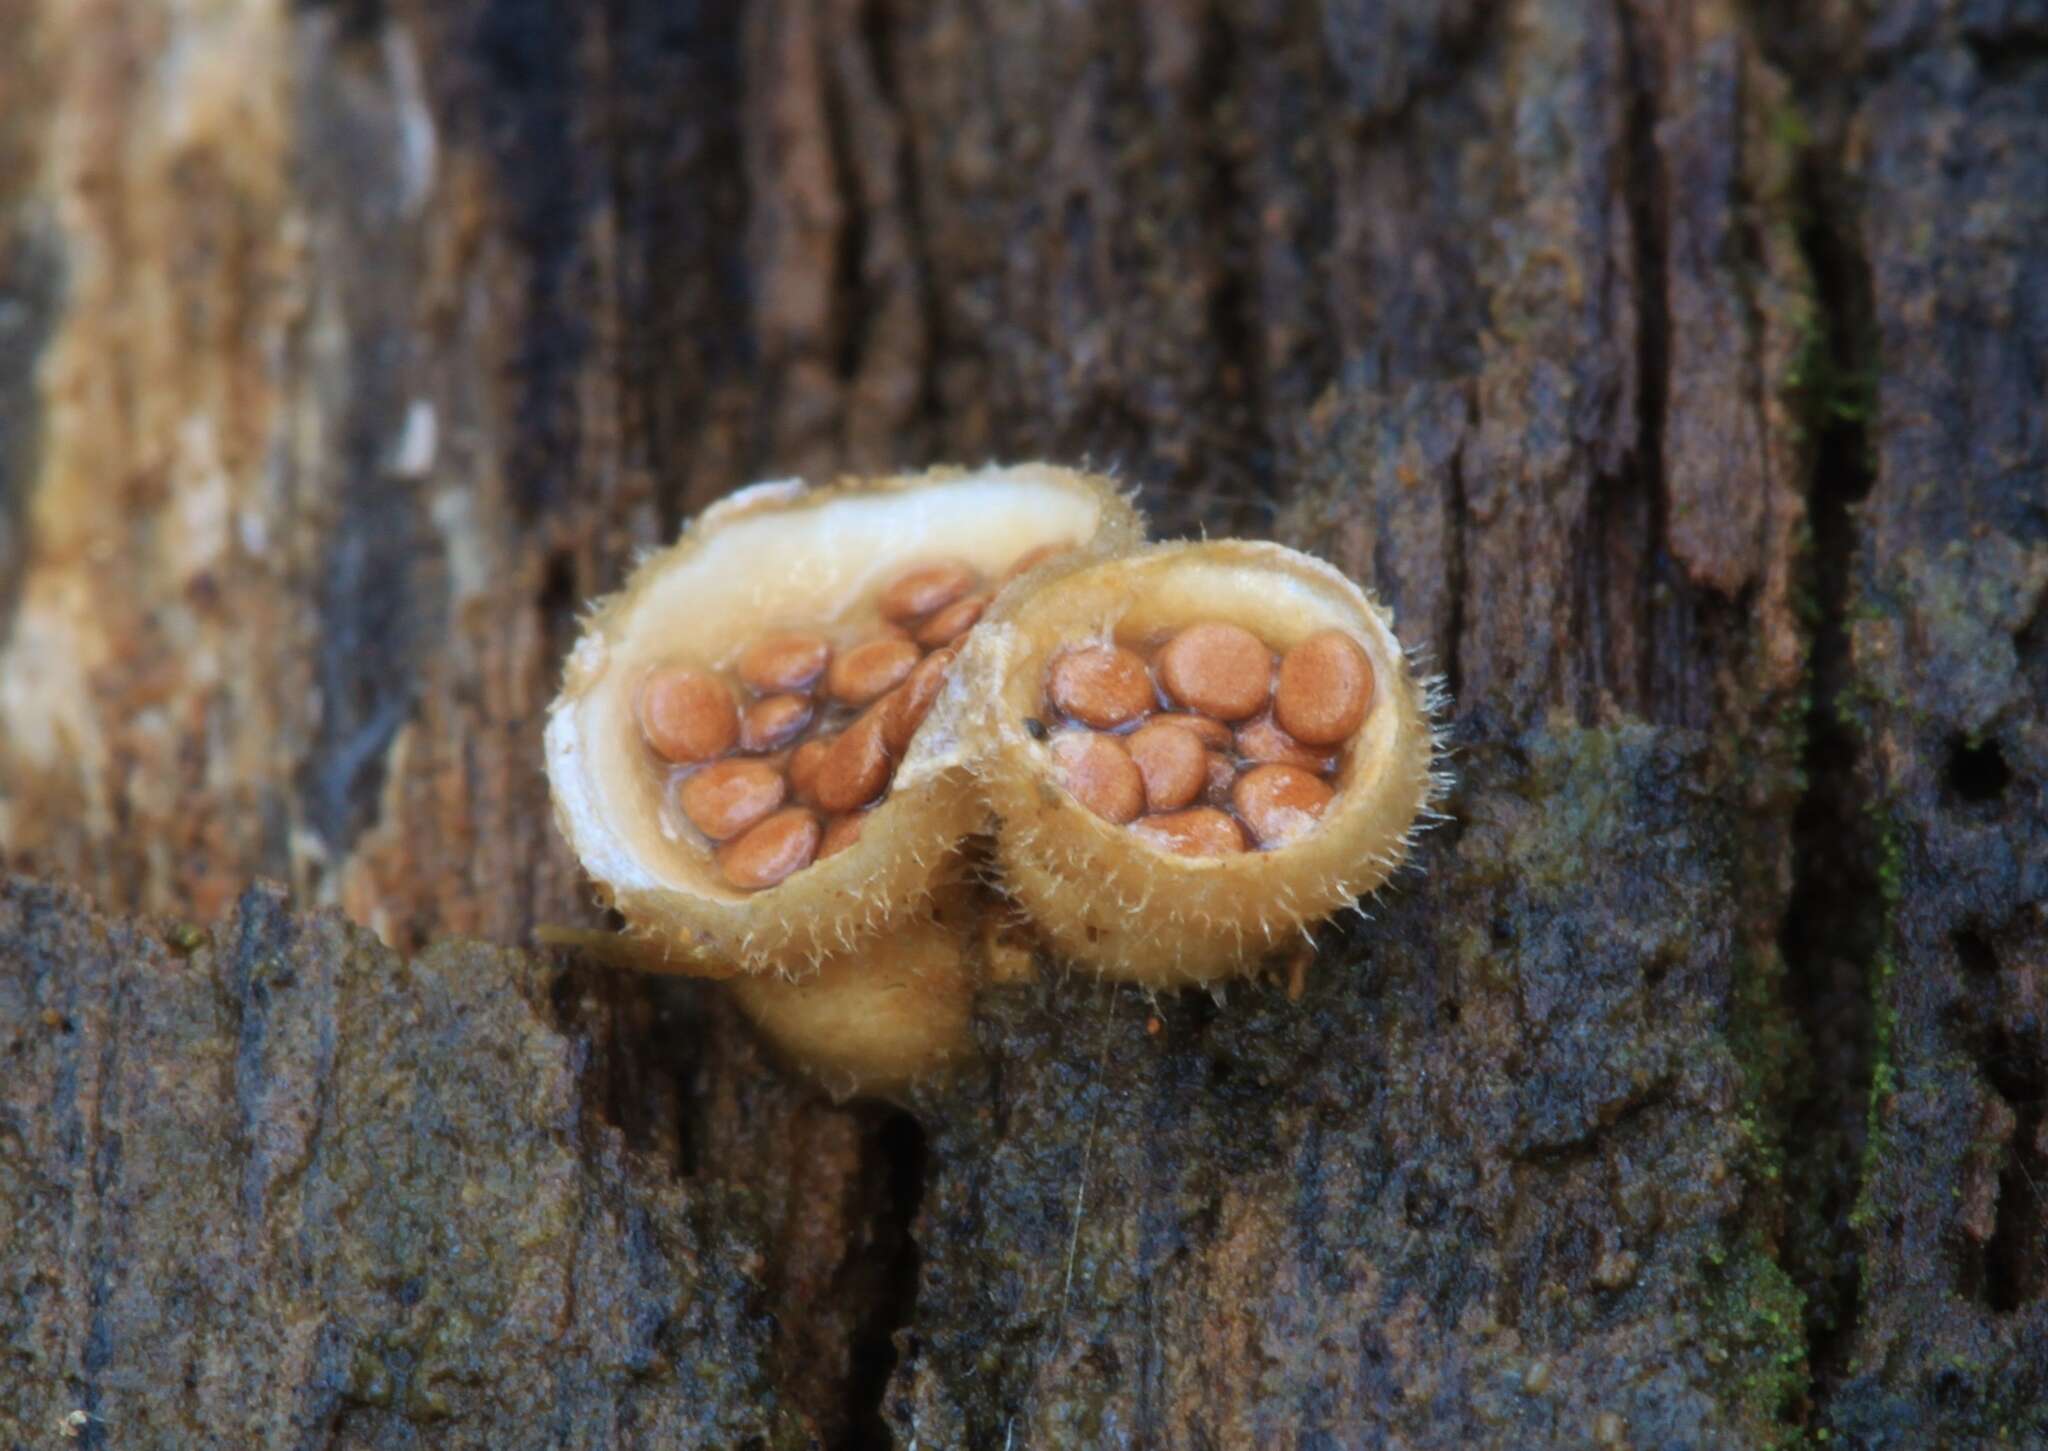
(1137, 914)
(830, 544)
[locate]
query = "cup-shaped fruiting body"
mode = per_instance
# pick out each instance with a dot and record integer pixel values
(1156, 819)
(875, 1019)
(677, 751)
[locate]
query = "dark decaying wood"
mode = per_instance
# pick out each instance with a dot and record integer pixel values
(1674, 369)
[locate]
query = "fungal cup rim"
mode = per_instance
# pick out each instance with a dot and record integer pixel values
(1363, 762)
(1102, 893)
(826, 550)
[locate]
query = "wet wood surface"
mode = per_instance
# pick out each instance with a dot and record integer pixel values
(1675, 372)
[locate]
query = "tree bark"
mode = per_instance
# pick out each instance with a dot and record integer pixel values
(1673, 369)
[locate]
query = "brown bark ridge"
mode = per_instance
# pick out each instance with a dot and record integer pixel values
(1675, 370)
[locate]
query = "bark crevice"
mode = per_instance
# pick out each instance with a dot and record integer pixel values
(895, 1170)
(1648, 202)
(1836, 920)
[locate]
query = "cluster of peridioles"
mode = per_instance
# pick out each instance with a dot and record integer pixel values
(799, 747)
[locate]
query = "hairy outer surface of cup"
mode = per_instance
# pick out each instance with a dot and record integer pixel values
(1100, 893)
(781, 557)
(878, 1017)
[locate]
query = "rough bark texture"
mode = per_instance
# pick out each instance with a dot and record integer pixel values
(1674, 368)
(284, 1186)
(1947, 631)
